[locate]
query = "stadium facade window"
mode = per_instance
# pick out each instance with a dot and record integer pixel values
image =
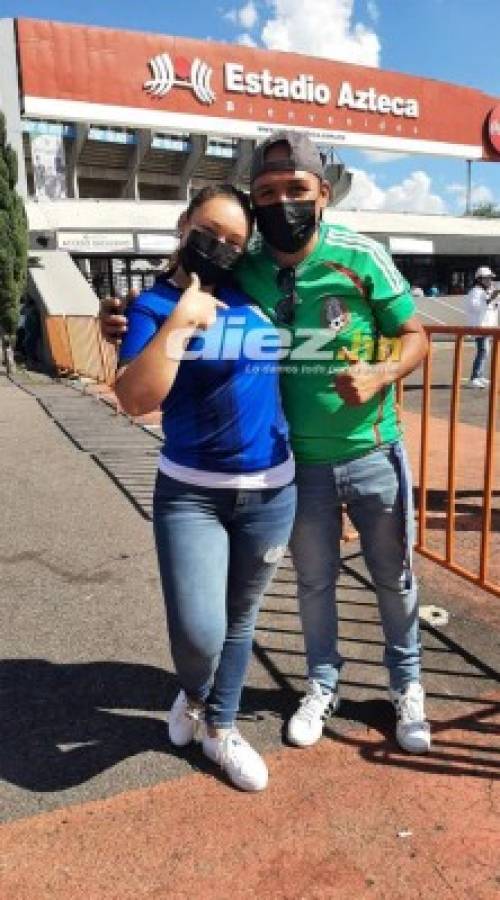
(178, 143)
(227, 148)
(61, 129)
(112, 135)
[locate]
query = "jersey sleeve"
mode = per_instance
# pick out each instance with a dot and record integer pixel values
(145, 316)
(141, 327)
(390, 294)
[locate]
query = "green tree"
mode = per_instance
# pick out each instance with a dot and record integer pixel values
(13, 237)
(487, 211)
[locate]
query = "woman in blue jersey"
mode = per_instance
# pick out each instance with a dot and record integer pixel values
(224, 499)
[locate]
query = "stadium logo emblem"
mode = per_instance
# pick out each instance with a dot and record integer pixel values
(494, 128)
(166, 74)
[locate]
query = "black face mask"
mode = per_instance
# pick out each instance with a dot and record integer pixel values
(287, 226)
(209, 258)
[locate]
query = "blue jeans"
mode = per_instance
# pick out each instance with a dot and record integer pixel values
(482, 350)
(377, 491)
(217, 550)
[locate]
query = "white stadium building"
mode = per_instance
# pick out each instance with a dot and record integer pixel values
(114, 130)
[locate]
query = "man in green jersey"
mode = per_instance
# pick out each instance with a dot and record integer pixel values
(340, 302)
(338, 295)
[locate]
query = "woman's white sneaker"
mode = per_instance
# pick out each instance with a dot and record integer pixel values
(413, 732)
(244, 767)
(306, 725)
(184, 720)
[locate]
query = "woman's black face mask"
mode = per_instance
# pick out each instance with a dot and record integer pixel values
(207, 256)
(287, 226)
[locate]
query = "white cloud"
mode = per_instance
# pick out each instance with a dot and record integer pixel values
(480, 194)
(373, 10)
(248, 15)
(364, 194)
(413, 194)
(321, 28)
(246, 40)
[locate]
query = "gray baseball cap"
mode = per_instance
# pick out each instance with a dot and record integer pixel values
(304, 155)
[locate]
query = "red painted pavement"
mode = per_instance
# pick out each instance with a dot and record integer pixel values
(350, 818)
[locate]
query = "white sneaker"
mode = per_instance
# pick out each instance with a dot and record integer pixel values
(184, 720)
(477, 383)
(413, 732)
(485, 381)
(242, 764)
(306, 725)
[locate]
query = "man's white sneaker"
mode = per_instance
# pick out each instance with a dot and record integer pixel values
(244, 767)
(413, 732)
(184, 720)
(477, 383)
(306, 725)
(484, 381)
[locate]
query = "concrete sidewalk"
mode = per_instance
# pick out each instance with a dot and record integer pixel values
(96, 803)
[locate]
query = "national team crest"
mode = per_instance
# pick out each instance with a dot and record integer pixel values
(335, 316)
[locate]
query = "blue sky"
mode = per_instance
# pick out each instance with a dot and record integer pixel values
(452, 40)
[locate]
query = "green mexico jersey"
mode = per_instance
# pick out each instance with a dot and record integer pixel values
(350, 297)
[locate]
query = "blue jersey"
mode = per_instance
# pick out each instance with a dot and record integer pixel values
(223, 413)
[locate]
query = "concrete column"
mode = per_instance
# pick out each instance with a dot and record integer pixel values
(81, 133)
(241, 167)
(197, 150)
(141, 148)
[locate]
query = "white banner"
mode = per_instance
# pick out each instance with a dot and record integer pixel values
(157, 243)
(49, 166)
(411, 245)
(95, 242)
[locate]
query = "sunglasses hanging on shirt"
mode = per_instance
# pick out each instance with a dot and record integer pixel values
(285, 309)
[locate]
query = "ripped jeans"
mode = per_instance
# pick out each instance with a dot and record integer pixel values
(377, 491)
(217, 550)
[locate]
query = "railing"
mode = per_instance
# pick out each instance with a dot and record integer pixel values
(448, 559)
(77, 347)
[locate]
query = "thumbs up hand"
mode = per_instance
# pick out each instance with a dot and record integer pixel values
(359, 382)
(197, 308)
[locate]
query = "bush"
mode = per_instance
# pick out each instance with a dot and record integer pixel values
(13, 238)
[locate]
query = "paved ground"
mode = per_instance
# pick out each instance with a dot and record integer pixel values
(447, 310)
(95, 802)
(473, 407)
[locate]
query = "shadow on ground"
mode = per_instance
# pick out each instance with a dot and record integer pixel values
(65, 723)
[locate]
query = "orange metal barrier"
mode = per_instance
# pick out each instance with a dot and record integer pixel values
(448, 559)
(58, 343)
(76, 347)
(109, 356)
(87, 360)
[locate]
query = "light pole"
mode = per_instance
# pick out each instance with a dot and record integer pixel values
(468, 189)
